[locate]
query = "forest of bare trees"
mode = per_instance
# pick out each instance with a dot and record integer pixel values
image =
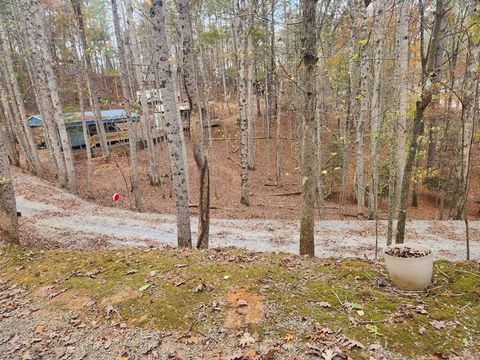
(376, 102)
(239, 179)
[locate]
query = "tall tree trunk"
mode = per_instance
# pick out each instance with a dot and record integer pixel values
(352, 107)
(53, 92)
(38, 78)
(153, 167)
(197, 124)
(401, 65)
(470, 115)
(41, 96)
(127, 95)
(257, 87)
(77, 9)
(280, 143)
(178, 161)
(16, 97)
(26, 48)
(15, 123)
(364, 107)
(80, 71)
(8, 208)
(250, 117)
(241, 38)
(270, 75)
(224, 76)
(376, 119)
(318, 140)
(428, 89)
(308, 164)
(9, 144)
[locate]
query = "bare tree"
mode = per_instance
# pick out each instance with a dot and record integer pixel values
(153, 168)
(401, 65)
(127, 95)
(197, 124)
(308, 165)
(17, 131)
(33, 60)
(361, 17)
(376, 115)
(92, 91)
(17, 103)
(469, 117)
(280, 143)
(241, 37)
(250, 65)
(172, 123)
(79, 74)
(52, 87)
(429, 87)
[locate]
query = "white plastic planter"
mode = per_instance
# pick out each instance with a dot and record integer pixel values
(410, 273)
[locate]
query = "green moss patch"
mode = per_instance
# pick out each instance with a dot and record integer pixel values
(183, 290)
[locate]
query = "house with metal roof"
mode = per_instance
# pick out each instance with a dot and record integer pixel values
(73, 121)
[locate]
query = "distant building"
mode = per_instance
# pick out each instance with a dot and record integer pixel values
(114, 121)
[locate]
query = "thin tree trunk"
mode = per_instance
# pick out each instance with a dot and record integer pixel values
(197, 125)
(127, 94)
(250, 118)
(318, 139)
(38, 78)
(241, 38)
(426, 97)
(352, 108)
(16, 125)
(224, 77)
(257, 88)
(76, 4)
(80, 71)
(381, 22)
(280, 144)
(401, 65)
(153, 167)
(308, 164)
(364, 107)
(175, 140)
(55, 99)
(470, 115)
(30, 148)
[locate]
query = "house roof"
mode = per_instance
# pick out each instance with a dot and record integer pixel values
(75, 119)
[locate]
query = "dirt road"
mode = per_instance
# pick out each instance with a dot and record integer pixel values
(54, 218)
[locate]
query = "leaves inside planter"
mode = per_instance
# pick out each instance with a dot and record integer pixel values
(407, 252)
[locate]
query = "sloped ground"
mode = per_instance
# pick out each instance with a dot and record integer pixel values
(51, 217)
(228, 304)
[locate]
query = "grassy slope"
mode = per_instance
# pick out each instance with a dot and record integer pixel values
(291, 288)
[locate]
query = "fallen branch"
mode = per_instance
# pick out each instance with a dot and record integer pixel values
(441, 272)
(256, 138)
(469, 272)
(55, 294)
(211, 206)
(276, 206)
(284, 185)
(233, 160)
(289, 193)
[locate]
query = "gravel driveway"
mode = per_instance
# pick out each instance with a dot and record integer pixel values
(54, 217)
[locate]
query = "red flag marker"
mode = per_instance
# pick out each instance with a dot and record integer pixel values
(116, 197)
